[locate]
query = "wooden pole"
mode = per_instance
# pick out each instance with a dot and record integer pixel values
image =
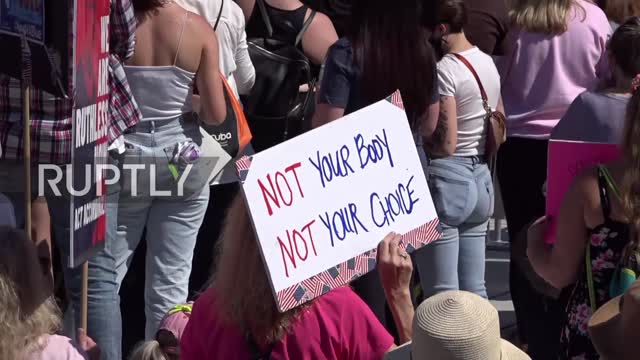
(26, 146)
(25, 58)
(85, 295)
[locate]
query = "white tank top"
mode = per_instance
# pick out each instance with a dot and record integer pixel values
(162, 92)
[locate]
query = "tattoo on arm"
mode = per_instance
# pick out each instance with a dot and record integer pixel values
(440, 133)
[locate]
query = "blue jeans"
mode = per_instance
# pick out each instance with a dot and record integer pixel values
(172, 220)
(462, 192)
(104, 323)
(103, 307)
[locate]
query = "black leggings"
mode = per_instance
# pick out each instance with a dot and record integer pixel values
(522, 171)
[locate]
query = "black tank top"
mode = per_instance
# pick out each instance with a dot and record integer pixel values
(286, 23)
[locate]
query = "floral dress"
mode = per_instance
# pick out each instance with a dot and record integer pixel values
(607, 242)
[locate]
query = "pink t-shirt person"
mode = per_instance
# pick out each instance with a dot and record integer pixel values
(59, 348)
(543, 74)
(337, 326)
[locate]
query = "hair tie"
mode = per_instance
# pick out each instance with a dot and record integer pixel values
(635, 83)
(187, 308)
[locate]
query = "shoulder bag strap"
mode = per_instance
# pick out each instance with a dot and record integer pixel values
(587, 262)
(485, 99)
(305, 27)
(603, 189)
(215, 27)
(590, 286)
(612, 184)
(265, 17)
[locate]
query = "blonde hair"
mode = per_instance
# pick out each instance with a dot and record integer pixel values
(543, 16)
(27, 312)
(248, 304)
(150, 350)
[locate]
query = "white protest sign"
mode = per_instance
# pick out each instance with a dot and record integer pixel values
(321, 202)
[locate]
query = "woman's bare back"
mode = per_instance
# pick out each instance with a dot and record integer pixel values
(169, 31)
(172, 36)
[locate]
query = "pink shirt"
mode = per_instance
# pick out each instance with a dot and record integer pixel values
(59, 348)
(543, 74)
(337, 326)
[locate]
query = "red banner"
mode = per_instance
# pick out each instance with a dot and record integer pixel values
(90, 124)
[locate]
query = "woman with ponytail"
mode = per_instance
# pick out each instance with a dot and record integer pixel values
(166, 345)
(598, 231)
(598, 115)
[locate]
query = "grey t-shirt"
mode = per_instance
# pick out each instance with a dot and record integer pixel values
(593, 117)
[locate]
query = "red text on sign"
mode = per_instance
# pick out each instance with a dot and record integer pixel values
(278, 189)
(296, 246)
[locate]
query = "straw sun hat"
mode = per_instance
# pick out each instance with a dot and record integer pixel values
(458, 325)
(615, 327)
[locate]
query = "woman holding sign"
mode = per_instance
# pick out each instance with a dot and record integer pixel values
(557, 51)
(596, 252)
(386, 48)
(238, 318)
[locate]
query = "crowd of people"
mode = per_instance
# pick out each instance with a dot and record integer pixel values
(555, 69)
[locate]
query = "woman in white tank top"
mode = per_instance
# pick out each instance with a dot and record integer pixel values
(168, 195)
(458, 175)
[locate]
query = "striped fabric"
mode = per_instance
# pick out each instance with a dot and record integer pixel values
(51, 117)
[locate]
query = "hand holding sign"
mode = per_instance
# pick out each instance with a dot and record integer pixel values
(394, 266)
(395, 269)
(320, 202)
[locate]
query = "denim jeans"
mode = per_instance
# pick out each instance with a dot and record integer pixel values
(462, 192)
(172, 220)
(103, 306)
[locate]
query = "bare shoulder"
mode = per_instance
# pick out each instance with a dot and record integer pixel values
(585, 191)
(320, 20)
(587, 179)
(205, 33)
(199, 23)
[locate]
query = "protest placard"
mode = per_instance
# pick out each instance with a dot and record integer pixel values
(26, 17)
(90, 125)
(566, 160)
(321, 202)
(46, 26)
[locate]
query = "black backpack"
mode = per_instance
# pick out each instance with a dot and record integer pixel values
(275, 109)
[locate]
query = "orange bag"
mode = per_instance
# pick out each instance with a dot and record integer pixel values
(234, 133)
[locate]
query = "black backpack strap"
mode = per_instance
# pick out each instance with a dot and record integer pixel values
(265, 17)
(254, 349)
(215, 27)
(305, 26)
